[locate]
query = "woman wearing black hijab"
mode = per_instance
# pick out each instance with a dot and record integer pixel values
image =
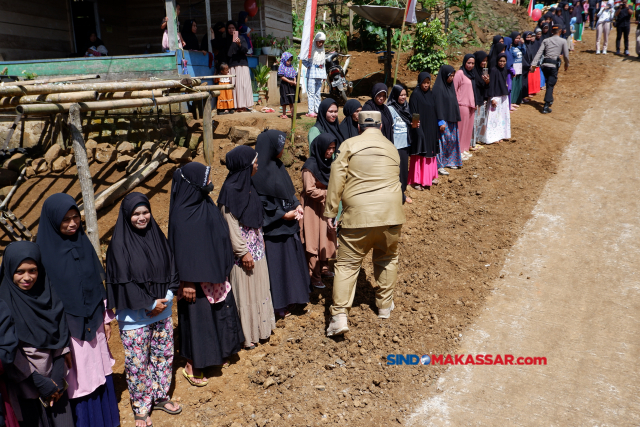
(210, 329)
(318, 238)
(349, 126)
(496, 39)
(402, 123)
(448, 114)
(423, 168)
(142, 279)
(377, 103)
(76, 275)
(237, 49)
(8, 347)
(188, 31)
(566, 17)
(499, 111)
(468, 96)
(242, 208)
(482, 83)
(288, 272)
(493, 55)
(326, 122)
(527, 59)
(40, 325)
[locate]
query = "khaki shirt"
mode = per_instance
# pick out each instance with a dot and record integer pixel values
(365, 176)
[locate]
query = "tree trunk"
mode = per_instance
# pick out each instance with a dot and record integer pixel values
(207, 132)
(84, 176)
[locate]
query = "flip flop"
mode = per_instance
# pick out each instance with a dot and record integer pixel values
(162, 406)
(284, 116)
(142, 418)
(198, 377)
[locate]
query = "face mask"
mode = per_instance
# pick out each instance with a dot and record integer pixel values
(207, 188)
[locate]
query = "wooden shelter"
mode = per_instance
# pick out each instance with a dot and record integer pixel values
(46, 29)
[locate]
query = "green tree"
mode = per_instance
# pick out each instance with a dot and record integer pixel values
(429, 47)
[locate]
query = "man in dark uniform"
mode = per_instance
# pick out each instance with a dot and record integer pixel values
(550, 50)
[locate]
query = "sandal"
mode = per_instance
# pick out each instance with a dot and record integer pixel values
(162, 406)
(142, 418)
(318, 285)
(251, 347)
(198, 377)
(284, 116)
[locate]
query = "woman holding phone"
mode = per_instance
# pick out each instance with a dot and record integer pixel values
(237, 49)
(402, 121)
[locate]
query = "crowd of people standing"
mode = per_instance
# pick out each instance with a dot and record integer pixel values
(236, 265)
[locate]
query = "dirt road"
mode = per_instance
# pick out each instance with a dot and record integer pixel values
(570, 291)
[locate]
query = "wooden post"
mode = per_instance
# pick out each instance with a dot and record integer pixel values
(84, 176)
(172, 31)
(207, 7)
(207, 132)
(395, 75)
(295, 103)
(58, 132)
(351, 23)
(229, 12)
(387, 63)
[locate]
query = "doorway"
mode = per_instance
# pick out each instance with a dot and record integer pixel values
(84, 14)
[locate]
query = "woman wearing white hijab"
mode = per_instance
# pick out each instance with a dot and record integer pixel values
(316, 73)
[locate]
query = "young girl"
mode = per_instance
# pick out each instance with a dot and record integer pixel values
(42, 358)
(319, 239)
(287, 74)
(316, 73)
(225, 100)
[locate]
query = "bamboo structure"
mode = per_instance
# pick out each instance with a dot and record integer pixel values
(90, 95)
(98, 87)
(84, 176)
(131, 94)
(207, 132)
(113, 105)
(53, 80)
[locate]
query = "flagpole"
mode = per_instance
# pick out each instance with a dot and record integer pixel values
(295, 103)
(406, 10)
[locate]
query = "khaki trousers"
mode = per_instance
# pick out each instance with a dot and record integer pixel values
(354, 244)
(602, 32)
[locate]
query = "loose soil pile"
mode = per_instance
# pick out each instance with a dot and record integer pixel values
(453, 245)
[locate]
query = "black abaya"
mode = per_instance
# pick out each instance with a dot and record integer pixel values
(288, 272)
(204, 342)
(426, 137)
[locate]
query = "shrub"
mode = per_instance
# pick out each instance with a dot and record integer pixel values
(429, 47)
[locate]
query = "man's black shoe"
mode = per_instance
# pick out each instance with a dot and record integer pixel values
(546, 110)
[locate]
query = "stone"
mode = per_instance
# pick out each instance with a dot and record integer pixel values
(268, 383)
(105, 153)
(180, 155)
(125, 147)
(39, 165)
(59, 164)
(244, 135)
(320, 387)
(4, 191)
(53, 153)
(194, 141)
(71, 159)
(30, 172)
(151, 146)
(16, 162)
(8, 177)
(91, 146)
(123, 160)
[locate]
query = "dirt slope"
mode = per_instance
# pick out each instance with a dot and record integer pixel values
(453, 244)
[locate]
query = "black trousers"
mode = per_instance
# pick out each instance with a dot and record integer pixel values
(592, 17)
(620, 32)
(404, 169)
(551, 77)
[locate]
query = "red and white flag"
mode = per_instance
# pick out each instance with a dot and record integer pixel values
(410, 12)
(308, 28)
(530, 8)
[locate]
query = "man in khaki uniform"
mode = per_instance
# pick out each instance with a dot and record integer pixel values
(364, 177)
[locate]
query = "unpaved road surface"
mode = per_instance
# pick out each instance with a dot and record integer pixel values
(570, 291)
